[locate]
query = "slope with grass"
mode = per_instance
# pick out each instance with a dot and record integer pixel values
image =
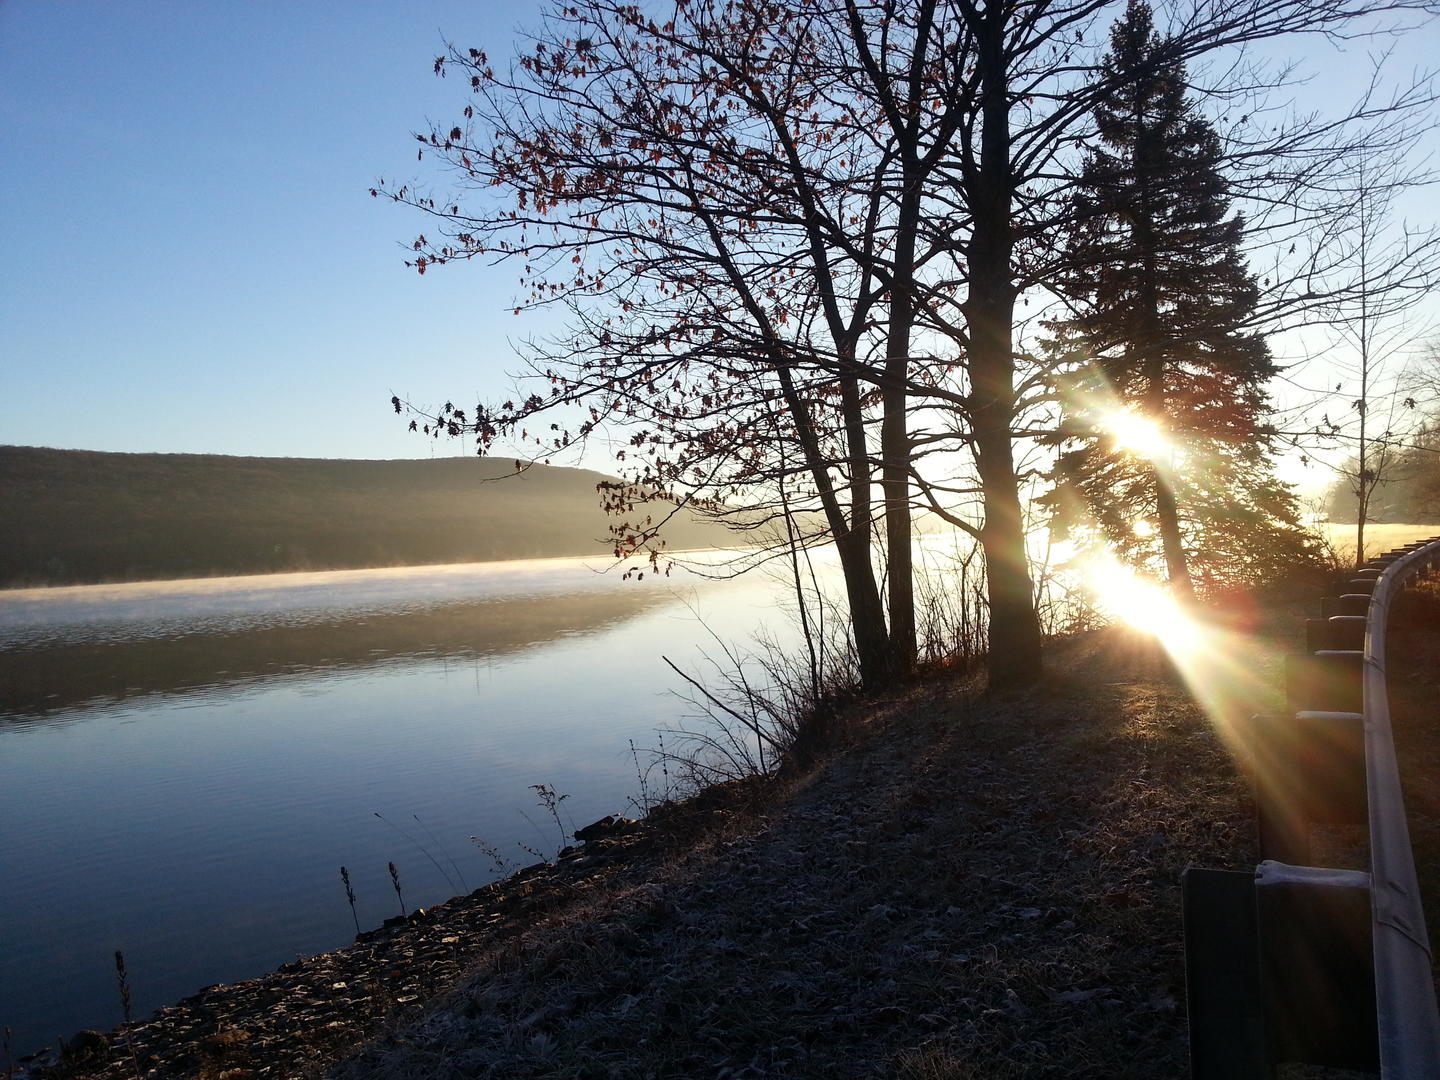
(72, 516)
(981, 888)
(1379, 536)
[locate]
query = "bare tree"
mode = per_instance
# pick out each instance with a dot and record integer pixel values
(792, 241)
(1379, 271)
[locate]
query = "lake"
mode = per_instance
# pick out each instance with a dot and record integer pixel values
(187, 765)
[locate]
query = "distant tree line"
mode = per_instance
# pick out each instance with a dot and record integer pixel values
(1403, 482)
(71, 516)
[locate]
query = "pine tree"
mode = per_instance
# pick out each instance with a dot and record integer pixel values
(1161, 299)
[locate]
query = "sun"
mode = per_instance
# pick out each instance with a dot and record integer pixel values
(1140, 435)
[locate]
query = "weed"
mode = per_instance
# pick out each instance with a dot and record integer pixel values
(503, 866)
(464, 885)
(456, 886)
(647, 799)
(122, 980)
(643, 804)
(550, 800)
(533, 852)
(395, 882)
(932, 1062)
(350, 896)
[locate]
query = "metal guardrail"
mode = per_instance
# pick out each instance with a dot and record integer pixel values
(1304, 964)
(1409, 1025)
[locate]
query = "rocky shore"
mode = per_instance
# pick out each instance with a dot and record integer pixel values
(314, 1010)
(968, 887)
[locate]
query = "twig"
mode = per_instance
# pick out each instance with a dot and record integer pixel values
(747, 721)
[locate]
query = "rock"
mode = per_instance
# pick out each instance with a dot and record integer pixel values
(86, 1046)
(610, 825)
(223, 1044)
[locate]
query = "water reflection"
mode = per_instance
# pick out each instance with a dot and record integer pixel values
(84, 669)
(240, 736)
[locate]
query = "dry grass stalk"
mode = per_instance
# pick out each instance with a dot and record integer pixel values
(395, 882)
(350, 896)
(122, 980)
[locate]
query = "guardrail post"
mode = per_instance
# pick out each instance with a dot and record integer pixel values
(1222, 976)
(1327, 680)
(1307, 769)
(1336, 632)
(1316, 974)
(1277, 970)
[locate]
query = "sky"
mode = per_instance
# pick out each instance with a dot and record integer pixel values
(190, 260)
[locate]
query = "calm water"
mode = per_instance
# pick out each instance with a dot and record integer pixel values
(184, 766)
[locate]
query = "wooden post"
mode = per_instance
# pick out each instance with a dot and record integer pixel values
(1324, 681)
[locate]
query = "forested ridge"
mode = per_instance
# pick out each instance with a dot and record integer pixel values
(73, 516)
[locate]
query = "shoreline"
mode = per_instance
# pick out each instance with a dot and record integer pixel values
(288, 1021)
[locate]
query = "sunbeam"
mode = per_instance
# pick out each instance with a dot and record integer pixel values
(1216, 661)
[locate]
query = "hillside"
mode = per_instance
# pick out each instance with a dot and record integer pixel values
(74, 516)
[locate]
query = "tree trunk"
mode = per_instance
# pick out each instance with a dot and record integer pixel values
(867, 615)
(1153, 360)
(1014, 658)
(1167, 508)
(1167, 511)
(867, 620)
(895, 468)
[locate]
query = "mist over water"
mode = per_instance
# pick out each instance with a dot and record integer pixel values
(188, 764)
(81, 613)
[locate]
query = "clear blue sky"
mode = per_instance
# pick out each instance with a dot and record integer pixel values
(189, 257)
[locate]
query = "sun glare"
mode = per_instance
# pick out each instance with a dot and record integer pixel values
(1138, 434)
(1143, 604)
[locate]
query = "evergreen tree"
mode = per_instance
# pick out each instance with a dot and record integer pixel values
(1161, 299)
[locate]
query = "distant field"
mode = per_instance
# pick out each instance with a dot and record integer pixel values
(1378, 537)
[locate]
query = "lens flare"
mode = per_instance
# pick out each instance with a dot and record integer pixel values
(1143, 604)
(1140, 435)
(1215, 657)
